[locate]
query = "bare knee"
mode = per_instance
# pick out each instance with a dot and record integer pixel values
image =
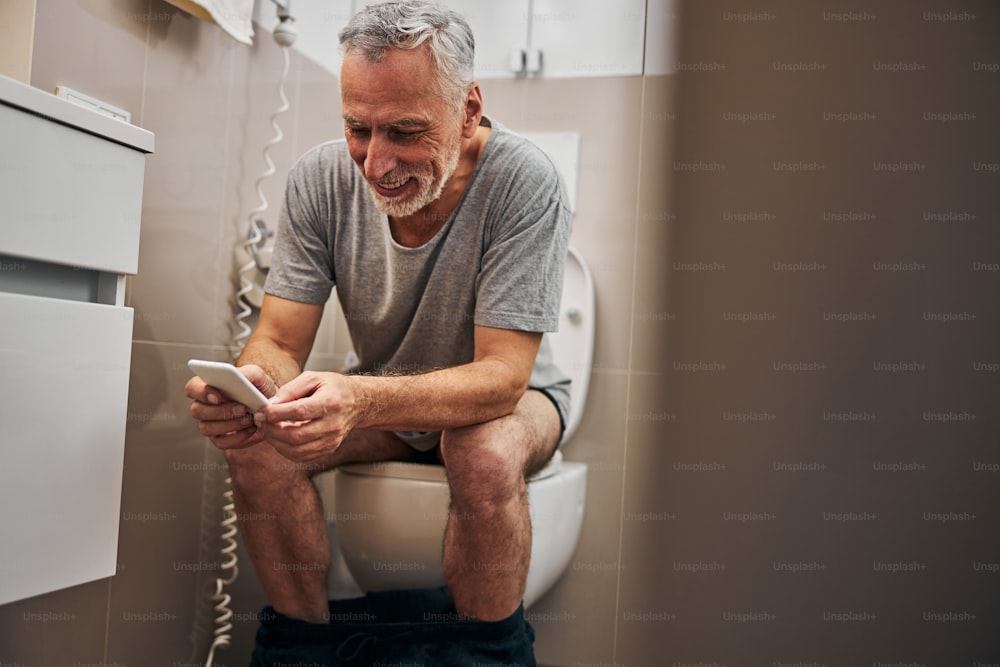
(485, 467)
(260, 470)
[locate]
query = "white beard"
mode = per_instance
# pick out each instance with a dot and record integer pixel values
(428, 188)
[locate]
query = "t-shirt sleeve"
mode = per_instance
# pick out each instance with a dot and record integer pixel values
(302, 264)
(520, 282)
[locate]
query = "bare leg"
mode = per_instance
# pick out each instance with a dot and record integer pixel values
(281, 518)
(487, 546)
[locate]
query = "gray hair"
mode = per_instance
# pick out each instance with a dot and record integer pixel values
(406, 25)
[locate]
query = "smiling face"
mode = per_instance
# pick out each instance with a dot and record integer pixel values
(405, 139)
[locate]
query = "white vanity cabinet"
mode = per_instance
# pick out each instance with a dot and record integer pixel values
(70, 201)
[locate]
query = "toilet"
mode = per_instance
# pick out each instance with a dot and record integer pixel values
(388, 518)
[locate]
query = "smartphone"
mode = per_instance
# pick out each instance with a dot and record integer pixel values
(228, 379)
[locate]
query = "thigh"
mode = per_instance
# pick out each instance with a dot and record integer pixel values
(360, 446)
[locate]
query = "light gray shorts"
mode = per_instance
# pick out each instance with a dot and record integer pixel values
(559, 394)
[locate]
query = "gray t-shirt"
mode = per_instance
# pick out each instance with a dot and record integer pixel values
(497, 261)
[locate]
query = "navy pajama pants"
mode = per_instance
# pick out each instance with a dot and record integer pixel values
(415, 628)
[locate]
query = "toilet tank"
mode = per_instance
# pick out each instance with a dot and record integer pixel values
(573, 345)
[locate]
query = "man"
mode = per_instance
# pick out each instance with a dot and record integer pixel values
(445, 240)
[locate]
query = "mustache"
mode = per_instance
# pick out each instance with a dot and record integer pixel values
(398, 176)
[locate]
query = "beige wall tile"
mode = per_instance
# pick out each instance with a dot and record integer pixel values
(183, 286)
(17, 34)
(98, 49)
(570, 626)
(57, 628)
(171, 506)
(318, 115)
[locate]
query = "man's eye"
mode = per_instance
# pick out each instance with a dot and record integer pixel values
(358, 131)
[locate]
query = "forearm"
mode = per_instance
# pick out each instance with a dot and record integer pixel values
(279, 363)
(283, 338)
(311, 414)
(469, 394)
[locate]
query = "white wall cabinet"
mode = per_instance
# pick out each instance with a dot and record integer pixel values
(559, 38)
(592, 38)
(70, 202)
(499, 29)
(554, 38)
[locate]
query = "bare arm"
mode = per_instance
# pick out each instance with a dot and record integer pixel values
(313, 413)
(283, 338)
(488, 387)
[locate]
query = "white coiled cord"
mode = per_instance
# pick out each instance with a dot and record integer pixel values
(223, 621)
(257, 230)
(258, 233)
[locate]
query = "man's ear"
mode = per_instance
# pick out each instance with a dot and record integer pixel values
(473, 111)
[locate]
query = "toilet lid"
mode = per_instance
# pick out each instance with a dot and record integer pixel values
(428, 472)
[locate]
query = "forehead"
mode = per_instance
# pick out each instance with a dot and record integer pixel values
(402, 83)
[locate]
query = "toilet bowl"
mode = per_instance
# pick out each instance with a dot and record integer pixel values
(389, 517)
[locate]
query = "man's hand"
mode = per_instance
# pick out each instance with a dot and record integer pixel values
(310, 416)
(227, 423)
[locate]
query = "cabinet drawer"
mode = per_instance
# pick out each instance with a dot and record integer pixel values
(63, 408)
(69, 196)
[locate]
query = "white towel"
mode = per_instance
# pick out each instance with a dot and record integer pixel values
(233, 16)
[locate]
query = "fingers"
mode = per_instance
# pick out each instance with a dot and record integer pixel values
(228, 424)
(236, 415)
(311, 396)
(239, 421)
(198, 390)
(238, 439)
(295, 401)
(308, 418)
(260, 379)
(304, 434)
(302, 453)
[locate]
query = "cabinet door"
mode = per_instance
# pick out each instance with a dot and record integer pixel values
(499, 29)
(662, 36)
(68, 197)
(63, 408)
(590, 38)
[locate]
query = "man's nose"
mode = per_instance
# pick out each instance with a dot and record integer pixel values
(380, 158)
